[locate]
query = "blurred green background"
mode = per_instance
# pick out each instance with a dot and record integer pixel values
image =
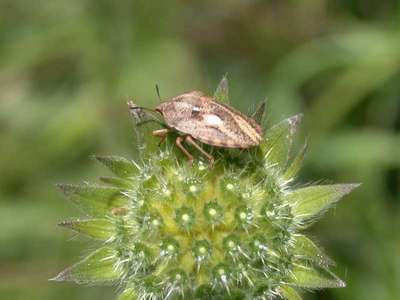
(68, 67)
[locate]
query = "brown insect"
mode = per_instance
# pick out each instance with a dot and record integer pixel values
(200, 117)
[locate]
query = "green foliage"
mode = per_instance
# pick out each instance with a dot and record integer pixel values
(309, 202)
(230, 229)
(290, 293)
(306, 249)
(278, 141)
(99, 229)
(315, 278)
(100, 267)
(119, 165)
(94, 199)
(295, 165)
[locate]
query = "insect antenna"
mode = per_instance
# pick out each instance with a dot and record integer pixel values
(158, 92)
(134, 106)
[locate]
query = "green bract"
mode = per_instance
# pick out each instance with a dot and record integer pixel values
(230, 231)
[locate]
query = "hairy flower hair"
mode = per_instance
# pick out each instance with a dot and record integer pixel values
(233, 230)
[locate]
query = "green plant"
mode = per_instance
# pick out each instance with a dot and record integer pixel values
(231, 231)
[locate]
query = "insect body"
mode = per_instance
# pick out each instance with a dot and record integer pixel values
(200, 117)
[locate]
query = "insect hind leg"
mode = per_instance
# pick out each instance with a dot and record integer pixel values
(190, 140)
(178, 142)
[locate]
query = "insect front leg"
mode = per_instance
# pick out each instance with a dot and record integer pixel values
(190, 140)
(178, 142)
(161, 133)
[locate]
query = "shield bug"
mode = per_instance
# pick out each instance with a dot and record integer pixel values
(198, 117)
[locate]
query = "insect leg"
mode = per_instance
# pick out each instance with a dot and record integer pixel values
(190, 140)
(161, 133)
(178, 142)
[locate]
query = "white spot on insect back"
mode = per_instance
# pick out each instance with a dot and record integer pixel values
(212, 120)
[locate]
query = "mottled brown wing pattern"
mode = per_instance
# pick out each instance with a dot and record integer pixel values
(209, 134)
(244, 130)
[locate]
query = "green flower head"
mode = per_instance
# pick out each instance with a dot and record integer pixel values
(230, 230)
